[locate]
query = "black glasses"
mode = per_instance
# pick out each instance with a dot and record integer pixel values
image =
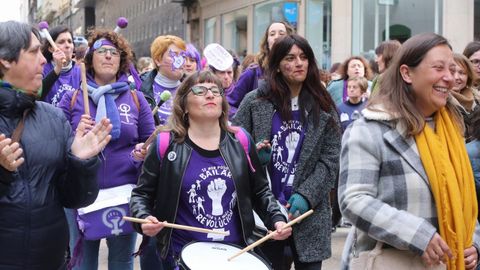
(199, 90)
(103, 51)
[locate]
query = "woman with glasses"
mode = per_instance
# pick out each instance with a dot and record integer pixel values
(111, 95)
(294, 115)
(472, 52)
(206, 177)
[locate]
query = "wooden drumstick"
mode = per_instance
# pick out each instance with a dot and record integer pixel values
(177, 226)
(43, 26)
(271, 234)
(86, 107)
(150, 139)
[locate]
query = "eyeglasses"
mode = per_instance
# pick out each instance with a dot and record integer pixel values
(475, 62)
(103, 51)
(199, 90)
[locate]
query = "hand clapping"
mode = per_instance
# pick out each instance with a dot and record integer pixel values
(88, 142)
(10, 154)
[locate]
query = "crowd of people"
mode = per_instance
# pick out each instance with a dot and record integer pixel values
(211, 140)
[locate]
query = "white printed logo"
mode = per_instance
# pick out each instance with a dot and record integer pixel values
(112, 218)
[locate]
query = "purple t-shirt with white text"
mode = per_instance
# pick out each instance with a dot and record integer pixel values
(286, 139)
(207, 200)
(67, 82)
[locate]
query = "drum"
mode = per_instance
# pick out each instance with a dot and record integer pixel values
(214, 256)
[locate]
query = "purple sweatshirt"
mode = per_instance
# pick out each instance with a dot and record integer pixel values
(247, 82)
(118, 166)
(67, 82)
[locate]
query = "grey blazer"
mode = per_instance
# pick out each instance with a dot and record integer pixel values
(383, 188)
(316, 174)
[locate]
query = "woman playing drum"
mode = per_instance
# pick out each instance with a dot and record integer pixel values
(205, 179)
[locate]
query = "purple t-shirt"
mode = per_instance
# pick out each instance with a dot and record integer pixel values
(349, 112)
(166, 109)
(67, 82)
(207, 200)
(286, 139)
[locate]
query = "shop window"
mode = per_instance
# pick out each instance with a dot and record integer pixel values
(374, 21)
(272, 11)
(210, 25)
(234, 31)
(318, 30)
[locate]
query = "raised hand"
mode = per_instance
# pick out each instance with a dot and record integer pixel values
(10, 154)
(215, 191)
(436, 250)
(291, 141)
(88, 143)
(58, 57)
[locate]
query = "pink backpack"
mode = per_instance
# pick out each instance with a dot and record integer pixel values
(240, 135)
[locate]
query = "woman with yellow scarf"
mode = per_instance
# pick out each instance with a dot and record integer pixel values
(406, 183)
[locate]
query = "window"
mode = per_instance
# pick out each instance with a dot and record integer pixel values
(374, 21)
(272, 11)
(234, 30)
(318, 30)
(210, 25)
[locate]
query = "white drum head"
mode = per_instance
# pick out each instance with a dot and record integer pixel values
(213, 256)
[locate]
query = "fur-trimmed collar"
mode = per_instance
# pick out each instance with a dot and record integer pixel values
(379, 113)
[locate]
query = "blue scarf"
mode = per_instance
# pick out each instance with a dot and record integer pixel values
(104, 97)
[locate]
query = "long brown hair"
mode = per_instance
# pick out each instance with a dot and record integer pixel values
(178, 122)
(396, 96)
(262, 56)
(313, 94)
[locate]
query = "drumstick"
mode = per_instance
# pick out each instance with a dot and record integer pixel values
(43, 26)
(176, 226)
(150, 139)
(270, 235)
(86, 107)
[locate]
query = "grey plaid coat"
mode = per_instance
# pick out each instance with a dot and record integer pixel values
(316, 174)
(383, 188)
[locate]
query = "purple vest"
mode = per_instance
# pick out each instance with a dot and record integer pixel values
(286, 139)
(67, 82)
(207, 200)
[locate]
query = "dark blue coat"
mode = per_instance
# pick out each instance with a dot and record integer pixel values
(33, 227)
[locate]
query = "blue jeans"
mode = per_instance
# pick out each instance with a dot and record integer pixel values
(120, 248)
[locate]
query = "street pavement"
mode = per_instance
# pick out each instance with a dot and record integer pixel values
(333, 263)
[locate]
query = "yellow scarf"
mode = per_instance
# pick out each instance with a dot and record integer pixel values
(449, 172)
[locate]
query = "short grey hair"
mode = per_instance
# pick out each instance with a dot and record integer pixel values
(15, 36)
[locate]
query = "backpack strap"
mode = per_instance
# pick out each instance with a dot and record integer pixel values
(135, 98)
(242, 137)
(163, 140)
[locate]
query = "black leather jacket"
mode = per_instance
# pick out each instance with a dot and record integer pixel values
(158, 189)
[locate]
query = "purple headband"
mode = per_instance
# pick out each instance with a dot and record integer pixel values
(101, 42)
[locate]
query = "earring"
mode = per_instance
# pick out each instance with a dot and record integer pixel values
(185, 117)
(278, 70)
